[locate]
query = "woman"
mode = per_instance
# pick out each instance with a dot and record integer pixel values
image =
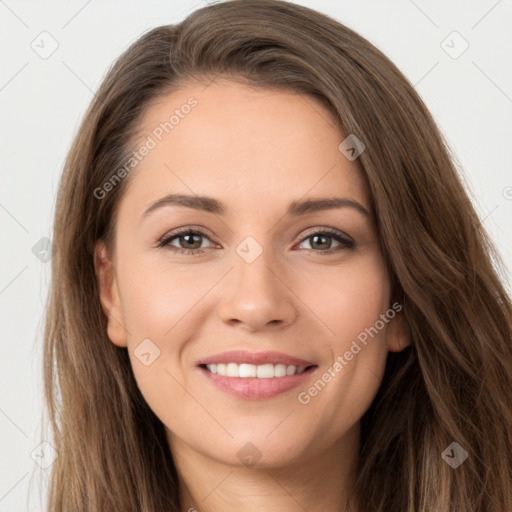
(336, 337)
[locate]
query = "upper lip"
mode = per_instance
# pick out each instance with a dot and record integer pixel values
(256, 358)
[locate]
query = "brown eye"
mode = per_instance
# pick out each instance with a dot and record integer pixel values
(189, 241)
(321, 241)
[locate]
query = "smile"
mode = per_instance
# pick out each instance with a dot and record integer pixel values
(263, 371)
(266, 384)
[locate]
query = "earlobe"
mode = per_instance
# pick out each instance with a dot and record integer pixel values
(109, 296)
(399, 333)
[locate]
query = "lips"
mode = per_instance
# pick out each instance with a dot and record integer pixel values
(265, 386)
(255, 358)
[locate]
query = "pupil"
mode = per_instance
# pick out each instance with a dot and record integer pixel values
(190, 235)
(325, 245)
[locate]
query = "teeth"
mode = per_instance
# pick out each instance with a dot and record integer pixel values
(263, 371)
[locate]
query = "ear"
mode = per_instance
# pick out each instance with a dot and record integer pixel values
(398, 333)
(109, 296)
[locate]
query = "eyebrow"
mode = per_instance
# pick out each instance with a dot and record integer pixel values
(295, 208)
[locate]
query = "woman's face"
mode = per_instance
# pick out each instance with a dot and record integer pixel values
(273, 275)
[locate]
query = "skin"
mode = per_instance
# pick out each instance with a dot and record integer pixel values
(255, 151)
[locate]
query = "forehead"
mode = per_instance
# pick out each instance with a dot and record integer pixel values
(243, 145)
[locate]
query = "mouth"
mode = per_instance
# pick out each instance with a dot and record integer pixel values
(255, 376)
(256, 388)
(248, 371)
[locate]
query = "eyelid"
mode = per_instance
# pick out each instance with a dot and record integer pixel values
(329, 230)
(201, 230)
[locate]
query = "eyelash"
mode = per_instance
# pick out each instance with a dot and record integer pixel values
(345, 242)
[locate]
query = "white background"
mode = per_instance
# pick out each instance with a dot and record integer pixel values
(43, 100)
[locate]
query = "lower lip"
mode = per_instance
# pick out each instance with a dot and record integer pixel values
(250, 388)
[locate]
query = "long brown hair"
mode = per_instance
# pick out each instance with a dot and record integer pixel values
(452, 385)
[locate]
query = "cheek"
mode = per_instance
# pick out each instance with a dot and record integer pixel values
(159, 298)
(348, 299)
(350, 302)
(161, 304)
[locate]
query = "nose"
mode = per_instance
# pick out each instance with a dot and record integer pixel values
(257, 296)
